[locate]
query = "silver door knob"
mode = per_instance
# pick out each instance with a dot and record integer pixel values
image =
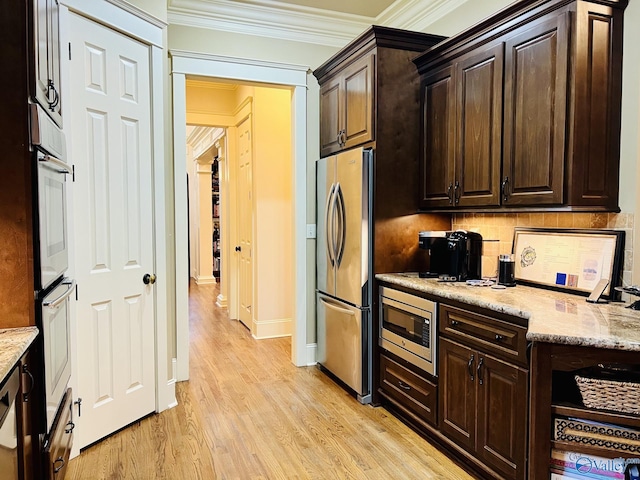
(149, 278)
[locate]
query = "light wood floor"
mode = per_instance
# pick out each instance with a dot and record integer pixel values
(248, 413)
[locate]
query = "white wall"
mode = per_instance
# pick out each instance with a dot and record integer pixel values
(272, 178)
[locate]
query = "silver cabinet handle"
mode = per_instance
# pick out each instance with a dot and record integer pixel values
(403, 385)
(505, 193)
(58, 301)
(25, 395)
(58, 460)
(479, 371)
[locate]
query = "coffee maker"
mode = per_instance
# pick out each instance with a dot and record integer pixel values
(455, 256)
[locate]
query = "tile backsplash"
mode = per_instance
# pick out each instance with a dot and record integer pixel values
(497, 231)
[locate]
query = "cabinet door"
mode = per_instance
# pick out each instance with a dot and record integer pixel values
(27, 432)
(502, 416)
(330, 113)
(358, 86)
(41, 41)
(438, 137)
(535, 113)
(479, 133)
(60, 441)
(55, 105)
(457, 403)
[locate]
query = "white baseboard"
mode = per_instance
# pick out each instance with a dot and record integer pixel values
(310, 354)
(271, 328)
(221, 301)
(205, 280)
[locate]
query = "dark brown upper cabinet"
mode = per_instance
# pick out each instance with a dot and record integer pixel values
(346, 107)
(462, 115)
(523, 110)
(45, 67)
(364, 78)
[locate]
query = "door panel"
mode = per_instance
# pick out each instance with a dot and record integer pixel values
(245, 222)
(438, 137)
(480, 128)
(330, 116)
(457, 410)
(535, 113)
(351, 226)
(325, 181)
(358, 102)
(502, 417)
(340, 341)
(113, 223)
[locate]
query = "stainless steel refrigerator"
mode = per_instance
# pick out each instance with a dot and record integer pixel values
(344, 265)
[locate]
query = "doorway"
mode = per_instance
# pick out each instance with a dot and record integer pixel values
(250, 152)
(240, 69)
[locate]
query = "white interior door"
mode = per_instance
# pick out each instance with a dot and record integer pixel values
(110, 136)
(245, 219)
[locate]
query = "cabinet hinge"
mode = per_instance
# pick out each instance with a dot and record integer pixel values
(73, 173)
(69, 50)
(76, 292)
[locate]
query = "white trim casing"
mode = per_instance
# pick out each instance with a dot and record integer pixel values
(112, 16)
(180, 224)
(239, 69)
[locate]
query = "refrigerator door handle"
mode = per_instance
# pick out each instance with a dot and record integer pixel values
(328, 222)
(342, 225)
(333, 306)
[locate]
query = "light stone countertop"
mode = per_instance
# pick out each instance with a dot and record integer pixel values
(13, 343)
(552, 317)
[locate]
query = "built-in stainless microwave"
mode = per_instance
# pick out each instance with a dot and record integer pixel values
(408, 328)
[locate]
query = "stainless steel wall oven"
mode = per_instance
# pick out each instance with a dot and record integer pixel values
(53, 289)
(408, 328)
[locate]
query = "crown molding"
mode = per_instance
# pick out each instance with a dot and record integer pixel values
(297, 23)
(416, 15)
(138, 12)
(285, 21)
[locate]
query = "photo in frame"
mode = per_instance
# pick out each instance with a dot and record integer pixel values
(568, 259)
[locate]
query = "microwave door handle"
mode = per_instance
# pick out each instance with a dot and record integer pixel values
(58, 301)
(333, 306)
(63, 167)
(328, 226)
(342, 227)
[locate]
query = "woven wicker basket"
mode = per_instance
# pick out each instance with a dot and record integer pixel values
(612, 395)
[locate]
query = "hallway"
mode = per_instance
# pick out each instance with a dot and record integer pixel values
(248, 413)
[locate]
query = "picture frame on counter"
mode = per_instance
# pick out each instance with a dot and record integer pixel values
(570, 260)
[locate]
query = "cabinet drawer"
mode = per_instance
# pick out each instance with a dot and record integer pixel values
(409, 389)
(58, 447)
(499, 337)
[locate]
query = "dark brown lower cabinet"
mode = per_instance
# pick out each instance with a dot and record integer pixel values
(483, 407)
(28, 436)
(408, 390)
(58, 447)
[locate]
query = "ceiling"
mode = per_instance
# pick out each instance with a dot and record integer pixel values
(325, 22)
